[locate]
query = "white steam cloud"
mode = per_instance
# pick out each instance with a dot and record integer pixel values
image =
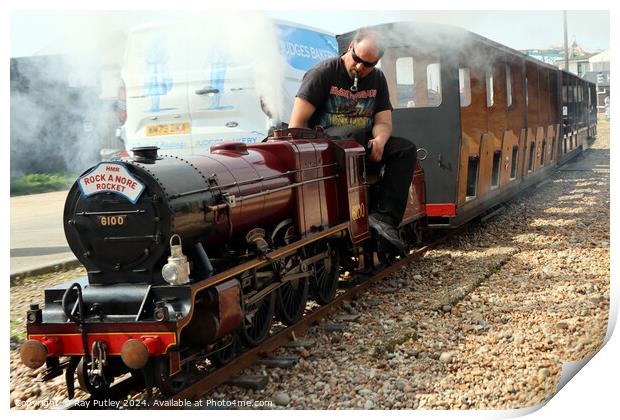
(63, 99)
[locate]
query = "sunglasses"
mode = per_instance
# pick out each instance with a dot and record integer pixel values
(357, 59)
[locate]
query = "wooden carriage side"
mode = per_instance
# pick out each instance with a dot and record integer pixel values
(489, 117)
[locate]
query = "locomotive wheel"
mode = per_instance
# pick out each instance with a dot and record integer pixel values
(292, 298)
(169, 385)
(225, 353)
(326, 273)
(95, 385)
(256, 329)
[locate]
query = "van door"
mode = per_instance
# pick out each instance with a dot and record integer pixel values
(223, 101)
(155, 76)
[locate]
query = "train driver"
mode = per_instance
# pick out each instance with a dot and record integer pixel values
(348, 96)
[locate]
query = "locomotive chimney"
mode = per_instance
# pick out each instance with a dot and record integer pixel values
(146, 154)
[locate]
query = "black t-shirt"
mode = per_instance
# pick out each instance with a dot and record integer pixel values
(327, 87)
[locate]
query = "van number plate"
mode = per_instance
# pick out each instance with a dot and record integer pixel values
(166, 129)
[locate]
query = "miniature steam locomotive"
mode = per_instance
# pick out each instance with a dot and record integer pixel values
(182, 253)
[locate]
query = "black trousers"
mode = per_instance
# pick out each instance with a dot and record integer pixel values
(399, 158)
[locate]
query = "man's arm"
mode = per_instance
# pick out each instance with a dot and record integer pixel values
(381, 130)
(302, 111)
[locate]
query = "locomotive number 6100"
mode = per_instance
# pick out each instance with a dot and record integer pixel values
(112, 220)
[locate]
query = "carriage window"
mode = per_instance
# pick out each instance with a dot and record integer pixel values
(412, 90)
(472, 177)
(527, 96)
(489, 77)
(465, 87)
(542, 153)
(515, 157)
(404, 82)
(551, 155)
(530, 163)
(495, 173)
(508, 85)
(433, 84)
(564, 94)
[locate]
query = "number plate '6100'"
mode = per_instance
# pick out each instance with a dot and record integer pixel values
(113, 220)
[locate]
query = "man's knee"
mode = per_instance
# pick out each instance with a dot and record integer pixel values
(406, 148)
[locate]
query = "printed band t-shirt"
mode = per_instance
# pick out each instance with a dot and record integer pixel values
(327, 87)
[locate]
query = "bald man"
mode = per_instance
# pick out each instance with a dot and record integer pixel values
(348, 96)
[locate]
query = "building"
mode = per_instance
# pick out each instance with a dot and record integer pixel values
(592, 67)
(578, 60)
(599, 74)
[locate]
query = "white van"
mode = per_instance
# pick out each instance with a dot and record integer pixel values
(185, 87)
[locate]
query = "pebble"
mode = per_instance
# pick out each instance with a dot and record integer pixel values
(510, 387)
(446, 357)
(332, 327)
(543, 374)
(282, 398)
(518, 339)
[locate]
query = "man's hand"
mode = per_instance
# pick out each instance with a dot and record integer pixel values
(381, 130)
(376, 147)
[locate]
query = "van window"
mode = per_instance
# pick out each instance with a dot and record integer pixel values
(464, 87)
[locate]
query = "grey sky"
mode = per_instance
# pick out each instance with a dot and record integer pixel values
(35, 32)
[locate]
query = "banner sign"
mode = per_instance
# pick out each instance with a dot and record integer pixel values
(111, 177)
